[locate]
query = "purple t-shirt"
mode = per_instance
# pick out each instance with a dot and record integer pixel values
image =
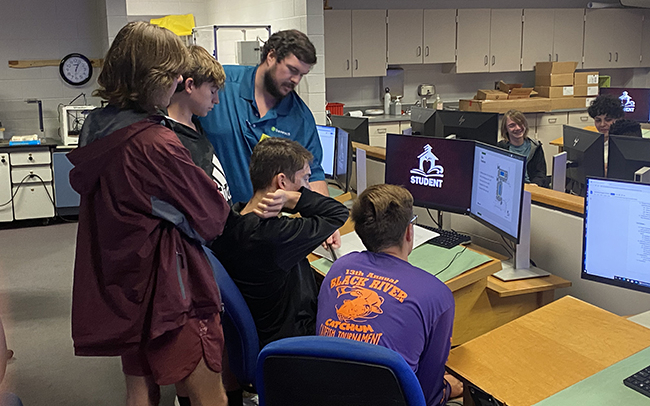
(380, 299)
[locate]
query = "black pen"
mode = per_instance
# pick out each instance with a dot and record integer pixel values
(331, 250)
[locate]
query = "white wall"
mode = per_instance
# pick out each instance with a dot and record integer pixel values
(303, 15)
(410, 4)
(33, 29)
(153, 9)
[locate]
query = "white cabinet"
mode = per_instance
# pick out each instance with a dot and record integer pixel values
(6, 210)
(551, 35)
(377, 132)
(355, 43)
(645, 40)
(31, 177)
(549, 128)
(612, 39)
(421, 36)
(488, 40)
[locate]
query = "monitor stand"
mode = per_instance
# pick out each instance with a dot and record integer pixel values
(521, 269)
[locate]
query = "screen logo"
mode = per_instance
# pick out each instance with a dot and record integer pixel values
(432, 176)
(626, 101)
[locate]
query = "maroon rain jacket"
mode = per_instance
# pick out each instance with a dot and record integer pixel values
(145, 211)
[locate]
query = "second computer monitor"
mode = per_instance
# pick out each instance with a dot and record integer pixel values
(343, 161)
(467, 125)
(357, 127)
(585, 157)
(437, 171)
(626, 156)
(327, 136)
(497, 189)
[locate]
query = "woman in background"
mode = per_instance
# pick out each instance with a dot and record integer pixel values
(514, 138)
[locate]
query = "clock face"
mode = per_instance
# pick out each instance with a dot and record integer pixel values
(76, 69)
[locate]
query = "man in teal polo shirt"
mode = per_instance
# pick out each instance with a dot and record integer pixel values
(259, 101)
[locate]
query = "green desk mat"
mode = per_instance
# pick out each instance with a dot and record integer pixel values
(605, 387)
(433, 259)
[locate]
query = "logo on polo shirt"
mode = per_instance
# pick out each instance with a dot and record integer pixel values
(285, 133)
(431, 176)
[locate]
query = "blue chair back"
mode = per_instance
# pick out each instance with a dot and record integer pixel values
(239, 329)
(320, 371)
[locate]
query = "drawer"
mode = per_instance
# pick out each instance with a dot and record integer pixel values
(378, 140)
(580, 119)
(551, 119)
(32, 201)
(30, 157)
(18, 173)
(384, 128)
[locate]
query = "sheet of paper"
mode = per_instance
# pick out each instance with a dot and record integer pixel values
(351, 242)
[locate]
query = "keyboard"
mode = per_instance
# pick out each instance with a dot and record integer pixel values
(640, 381)
(447, 238)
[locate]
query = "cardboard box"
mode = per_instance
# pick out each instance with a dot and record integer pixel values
(548, 68)
(567, 103)
(529, 105)
(585, 90)
(515, 90)
(586, 78)
(491, 94)
(553, 92)
(554, 79)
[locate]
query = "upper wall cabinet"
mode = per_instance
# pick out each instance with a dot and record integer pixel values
(552, 35)
(612, 38)
(421, 36)
(488, 40)
(355, 43)
(645, 40)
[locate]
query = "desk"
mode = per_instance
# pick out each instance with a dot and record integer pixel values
(482, 301)
(546, 351)
(559, 143)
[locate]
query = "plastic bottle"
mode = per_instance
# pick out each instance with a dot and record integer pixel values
(398, 105)
(387, 101)
(438, 103)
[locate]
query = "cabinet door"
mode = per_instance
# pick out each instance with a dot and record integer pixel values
(338, 43)
(6, 211)
(505, 40)
(645, 40)
(568, 32)
(368, 43)
(473, 47)
(627, 41)
(405, 36)
(440, 36)
(377, 132)
(537, 39)
(599, 39)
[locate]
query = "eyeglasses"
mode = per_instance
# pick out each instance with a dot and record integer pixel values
(415, 217)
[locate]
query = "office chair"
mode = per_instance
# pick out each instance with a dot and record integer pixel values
(239, 329)
(320, 371)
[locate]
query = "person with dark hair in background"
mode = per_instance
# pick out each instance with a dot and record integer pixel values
(194, 98)
(514, 138)
(626, 127)
(143, 288)
(267, 258)
(605, 110)
(259, 101)
(376, 296)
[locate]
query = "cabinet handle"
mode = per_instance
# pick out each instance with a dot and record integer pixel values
(610, 56)
(550, 58)
(382, 130)
(493, 60)
(552, 120)
(556, 57)
(348, 61)
(616, 59)
(356, 64)
(419, 52)
(426, 51)
(31, 158)
(583, 118)
(485, 60)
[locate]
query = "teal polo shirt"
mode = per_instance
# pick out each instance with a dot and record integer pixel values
(234, 127)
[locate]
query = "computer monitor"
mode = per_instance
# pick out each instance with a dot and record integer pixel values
(422, 121)
(635, 102)
(615, 245)
(357, 127)
(467, 125)
(343, 159)
(626, 156)
(585, 157)
(437, 171)
(498, 189)
(327, 136)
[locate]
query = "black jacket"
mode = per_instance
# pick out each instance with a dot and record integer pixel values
(266, 258)
(535, 162)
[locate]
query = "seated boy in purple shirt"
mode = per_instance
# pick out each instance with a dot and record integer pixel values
(376, 296)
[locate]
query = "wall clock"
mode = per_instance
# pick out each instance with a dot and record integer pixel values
(76, 69)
